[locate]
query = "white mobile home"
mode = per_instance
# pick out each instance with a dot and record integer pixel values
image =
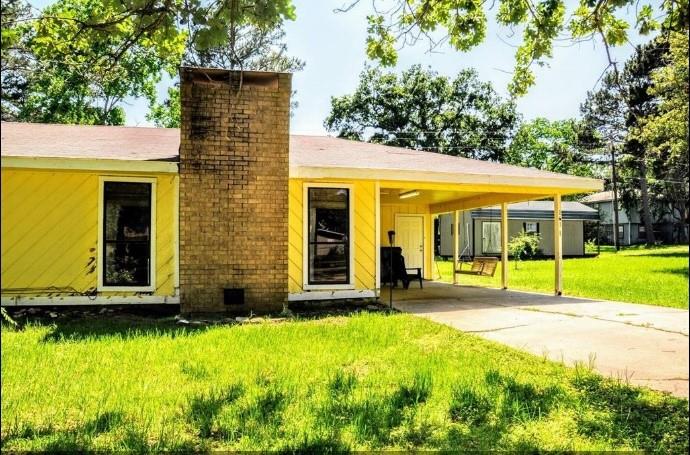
(480, 229)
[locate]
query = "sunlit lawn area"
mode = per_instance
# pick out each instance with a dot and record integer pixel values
(366, 381)
(656, 276)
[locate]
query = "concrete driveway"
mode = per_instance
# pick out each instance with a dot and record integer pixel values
(646, 344)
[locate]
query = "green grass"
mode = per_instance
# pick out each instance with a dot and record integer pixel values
(368, 381)
(655, 276)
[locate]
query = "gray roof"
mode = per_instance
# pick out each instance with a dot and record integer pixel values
(602, 196)
(327, 155)
(570, 210)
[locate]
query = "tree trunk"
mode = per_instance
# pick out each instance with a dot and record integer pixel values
(646, 213)
(683, 211)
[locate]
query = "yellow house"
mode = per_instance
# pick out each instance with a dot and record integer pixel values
(230, 212)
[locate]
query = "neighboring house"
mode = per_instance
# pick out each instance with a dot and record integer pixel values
(480, 229)
(631, 228)
(230, 212)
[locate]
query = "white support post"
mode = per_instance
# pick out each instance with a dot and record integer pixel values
(377, 228)
(558, 243)
(504, 245)
(456, 244)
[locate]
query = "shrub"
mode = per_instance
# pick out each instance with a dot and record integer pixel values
(524, 246)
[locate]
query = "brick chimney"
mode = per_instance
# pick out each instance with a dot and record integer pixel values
(233, 190)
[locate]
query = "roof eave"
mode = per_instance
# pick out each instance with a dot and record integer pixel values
(90, 164)
(569, 185)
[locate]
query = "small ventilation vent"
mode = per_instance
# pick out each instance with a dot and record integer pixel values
(233, 296)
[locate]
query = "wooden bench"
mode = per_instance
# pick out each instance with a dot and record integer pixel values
(480, 265)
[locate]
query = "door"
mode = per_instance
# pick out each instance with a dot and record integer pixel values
(409, 235)
(491, 237)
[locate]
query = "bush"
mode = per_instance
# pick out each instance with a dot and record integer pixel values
(524, 246)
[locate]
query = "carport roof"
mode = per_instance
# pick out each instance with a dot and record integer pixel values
(310, 156)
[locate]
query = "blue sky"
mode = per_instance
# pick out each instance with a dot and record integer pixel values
(332, 45)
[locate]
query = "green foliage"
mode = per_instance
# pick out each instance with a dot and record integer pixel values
(652, 276)
(558, 146)
(422, 110)
(16, 58)
(81, 58)
(664, 133)
(463, 25)
(75, 73)
(649, 137)
(248, 48)
(167, 113)
(365, 382)
(523, 246)
(380, 43)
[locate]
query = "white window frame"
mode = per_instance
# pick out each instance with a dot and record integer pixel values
(101, 243)
(305, 236)
(536, 225)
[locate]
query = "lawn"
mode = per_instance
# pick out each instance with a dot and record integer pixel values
(656, 276)
(364, 381)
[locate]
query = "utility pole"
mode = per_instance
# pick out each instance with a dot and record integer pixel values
(614, 178)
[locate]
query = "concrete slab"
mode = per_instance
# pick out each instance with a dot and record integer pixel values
(647, 345)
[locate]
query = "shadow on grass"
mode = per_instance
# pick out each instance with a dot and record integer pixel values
(627, 416)
(127, 435)
(487, 412)
(129, 325)
(120, 327)
(662, 253)
(675, 271)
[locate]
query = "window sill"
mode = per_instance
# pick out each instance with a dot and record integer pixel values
(126, 288)
(327, 287)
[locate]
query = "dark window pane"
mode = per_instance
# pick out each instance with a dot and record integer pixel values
(126, 264)
(328, 263)
(127, 211)
(329, 228)
(127, 234)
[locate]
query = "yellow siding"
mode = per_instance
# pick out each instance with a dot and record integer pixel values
(364, 235)
(50, 230)
(388, 212)
(295, 236)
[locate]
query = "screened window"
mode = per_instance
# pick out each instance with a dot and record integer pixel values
(329, 235)
(126, 234)
(531, 227)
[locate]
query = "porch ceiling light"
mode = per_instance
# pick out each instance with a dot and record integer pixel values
(409, 194)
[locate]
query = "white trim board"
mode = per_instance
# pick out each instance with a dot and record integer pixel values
(332, 295)
(99, 247)
(377, 202)
(305, 236)
(90, 164)
(567, 184)
(84, 300)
